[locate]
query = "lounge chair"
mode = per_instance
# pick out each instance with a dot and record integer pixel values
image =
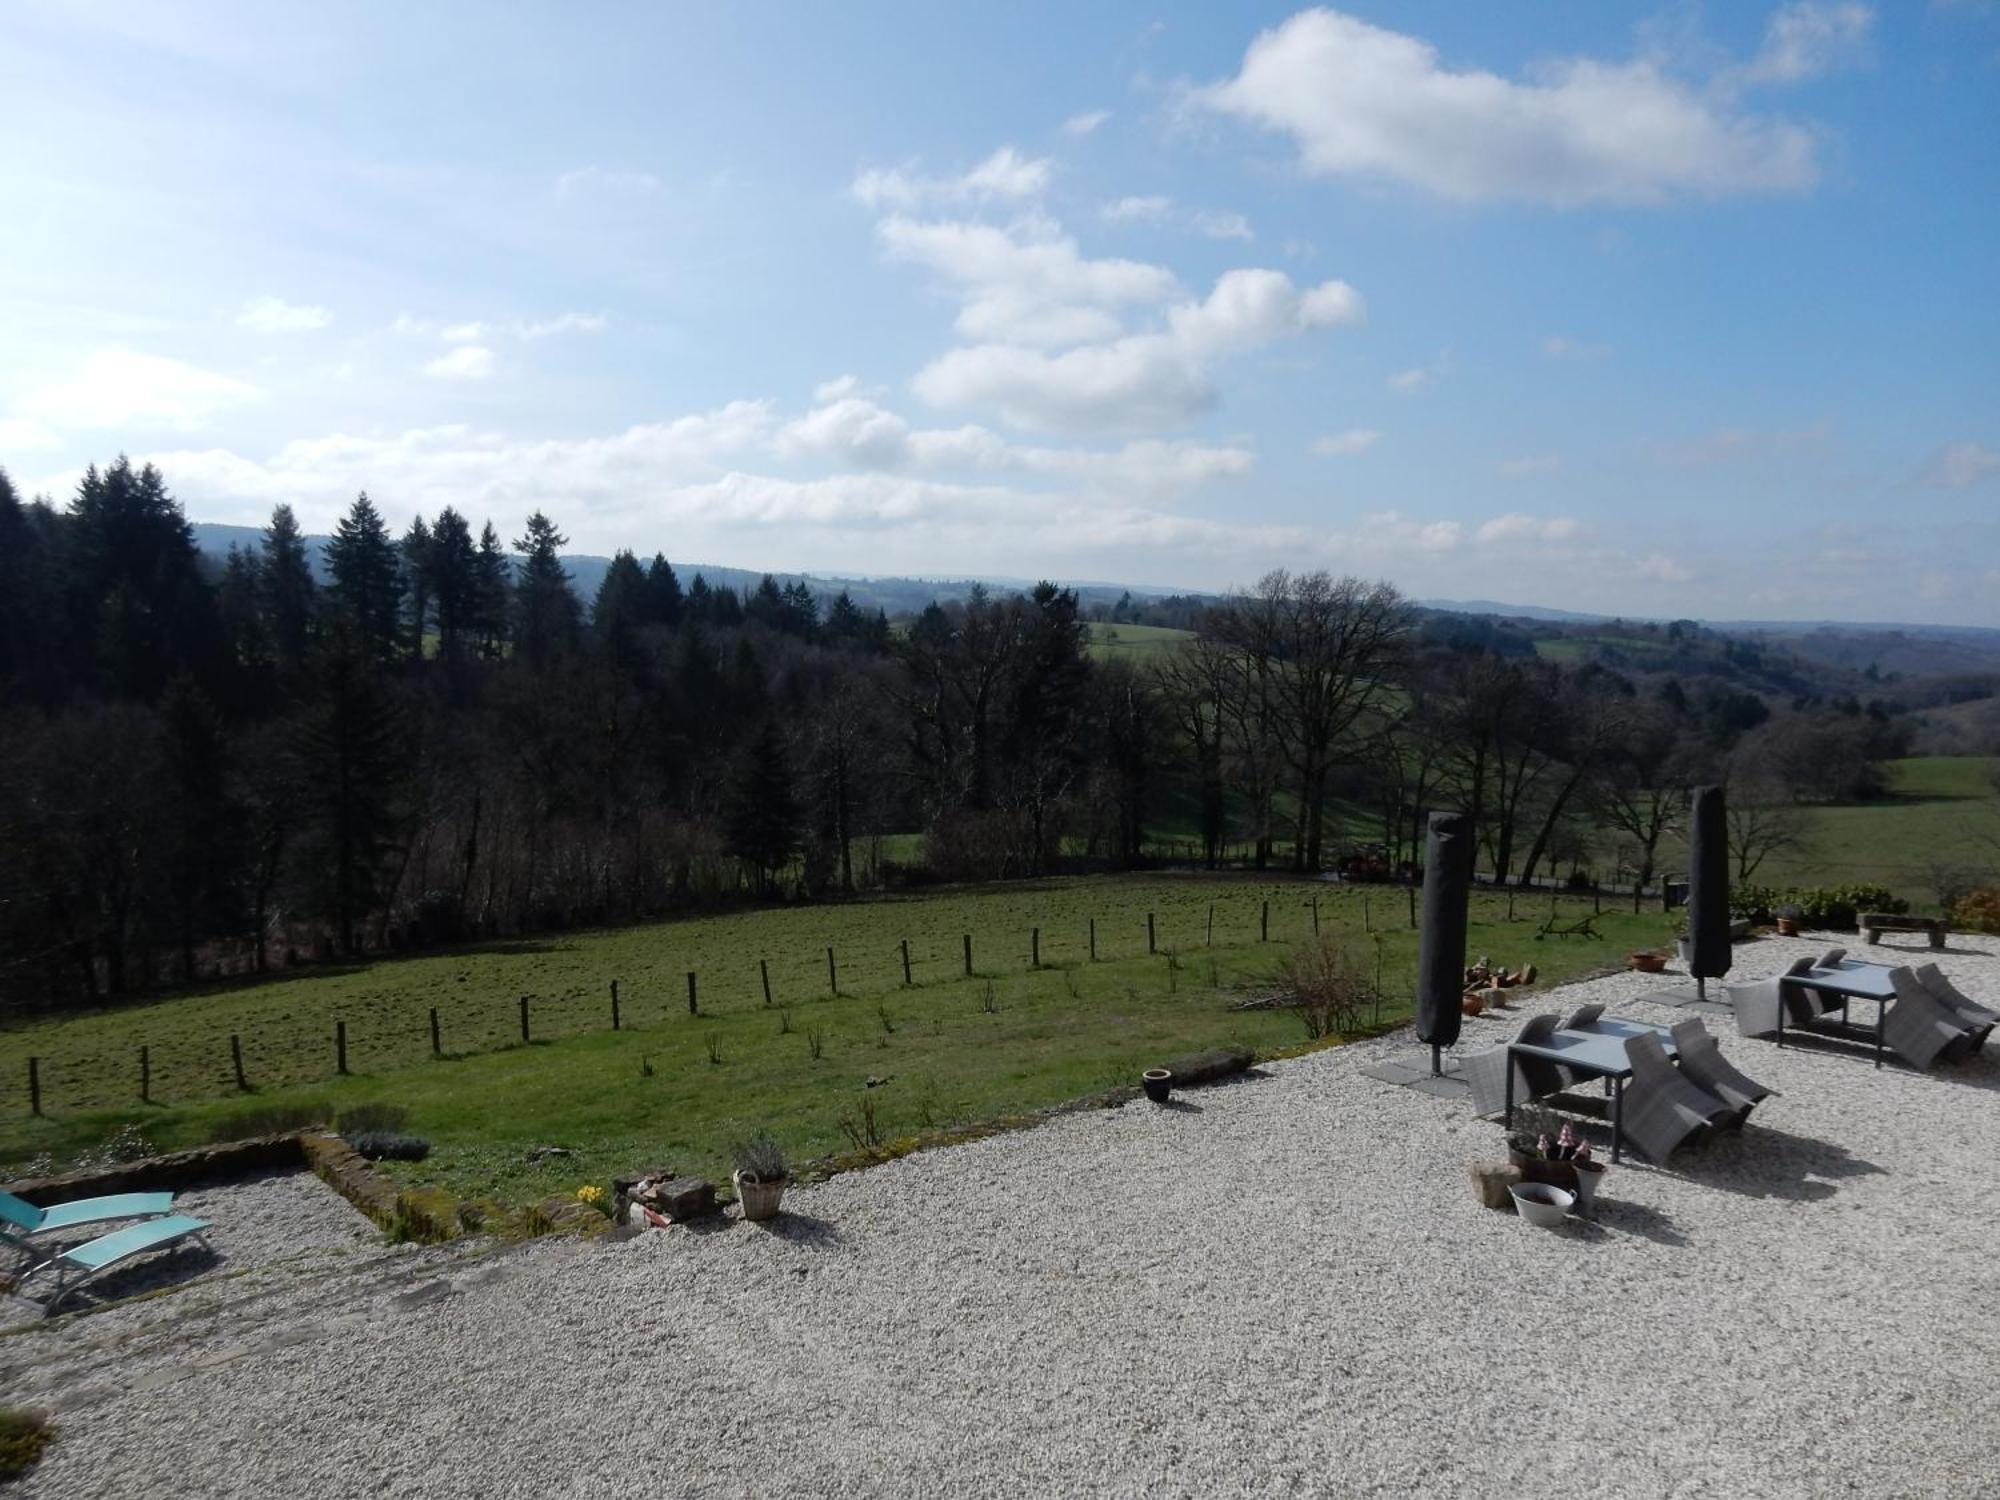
(1582, 1016)
(1702, 1061)
(76, 1265)
(20, 1219)
(1955, 1000)
(1486, 1071)
(1832, 957)
(1662, 1108)
(1919, 1028)
(1757, 1005)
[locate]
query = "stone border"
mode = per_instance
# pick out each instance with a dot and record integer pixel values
(175, 1170)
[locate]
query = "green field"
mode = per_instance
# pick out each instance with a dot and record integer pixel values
(946, 1051)
(1139, 643)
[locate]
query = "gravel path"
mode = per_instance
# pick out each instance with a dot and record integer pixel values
(1281, 1285)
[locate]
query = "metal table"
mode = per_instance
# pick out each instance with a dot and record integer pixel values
(1851, 979)
(1599, 1050)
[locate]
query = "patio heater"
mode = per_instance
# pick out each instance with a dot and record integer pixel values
(1441, 946)
(1708, 888)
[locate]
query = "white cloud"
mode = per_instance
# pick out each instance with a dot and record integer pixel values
(1221, 226)
(853, 431)
(120, 388)
(466, 362)
(1560, 346)
(275, 315)
(1005, 176)
(25, 435)
(1027, 283)
(1515, 527)
(1359, 100)
(1962, 465)
(599, 182)
(1085, 123)
(463, 333)
(1151, 209)
(1660, 567)
(1346, 444)
(1142, 381)
(1727, 445)
(570, 322)
(1530, 465)
(1811, 37)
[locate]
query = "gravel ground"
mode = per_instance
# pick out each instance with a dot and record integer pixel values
(1279, 1285)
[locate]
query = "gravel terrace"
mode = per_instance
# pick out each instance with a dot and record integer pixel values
(1279, 1285)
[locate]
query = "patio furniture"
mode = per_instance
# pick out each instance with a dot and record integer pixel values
(1761, 1008)
(1968, 1010)
(1597, 1052)
(1701, 1060)
(1874, 923)
(1498, 1078)
(20, 1220)
(77, 1265)
(1661, 1109)
(1582, 1016)
(1920, 1028)
(1831, 958)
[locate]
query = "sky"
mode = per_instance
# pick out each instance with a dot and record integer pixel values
(1662, 310)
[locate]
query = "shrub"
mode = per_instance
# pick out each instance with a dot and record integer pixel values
(126, 1143)
(1752, 903)
(1980, 911)
(23, 1436)
(1838, 905)
(1323, 989)
(270, 1119)
(371, 1118)
(386, 1145)
(762, 1158)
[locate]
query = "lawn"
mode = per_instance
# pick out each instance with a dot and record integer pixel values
(675, 1089)
(1136, 643)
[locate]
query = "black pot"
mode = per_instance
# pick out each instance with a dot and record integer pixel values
(1159, 1083)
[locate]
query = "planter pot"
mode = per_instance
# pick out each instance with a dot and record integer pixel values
(1589, 1177)
(759, 1199)
(1788, 927)
(1542, 1205)
(1472, 1005)
(1646, 963)
(1533, 1168)
(1158, 1083)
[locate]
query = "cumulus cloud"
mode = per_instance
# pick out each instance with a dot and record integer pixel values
(1962, 465)
(1811, 37)
(1085, 123)
(123, 388)
(1361, 100)
(1221, 226)
(1515, 527)
(1346, 444)
(1005, 176)
(1156, 209)
(25, 435)
(466, 362)
(1140, 381)
(1149, 209)
(275, 315)
(600, 182)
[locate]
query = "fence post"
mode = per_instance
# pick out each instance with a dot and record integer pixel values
(340, 1047)
(832, 974)
(1211, 925)
(1366, 924)
(764, 973)
(1264, 928)
(1093, 940)
(1152, 946)
(1412, 889)
(1034, 947)
(968, 955)
(906, 963)
(693, 1009)
(1510, 903)
(1315, 913)
(437, 1050)
(34, 1085)
(236, 1062)
(524, 1018)
(614, 1005)
(145, 1075)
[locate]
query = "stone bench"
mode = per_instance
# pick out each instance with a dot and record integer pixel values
(1874, 923)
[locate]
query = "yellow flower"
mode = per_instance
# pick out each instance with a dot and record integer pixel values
(590, 1193)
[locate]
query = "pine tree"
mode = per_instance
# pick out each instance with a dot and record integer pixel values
(622, 608)
(416, 549)
(492, 571)
(545, 610)
(367, 586)
(454, 578)
(763, 815)
(663, 594)
(290, 597)
(350, 759)
(202, 825)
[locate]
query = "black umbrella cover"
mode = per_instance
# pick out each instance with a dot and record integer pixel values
(1441, 951)
(1708, 885)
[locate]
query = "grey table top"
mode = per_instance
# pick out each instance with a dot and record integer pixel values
(1864, 981)
(1600, 1048)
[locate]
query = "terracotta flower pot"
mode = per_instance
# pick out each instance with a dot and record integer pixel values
(1646, 963)
(1472, 1005)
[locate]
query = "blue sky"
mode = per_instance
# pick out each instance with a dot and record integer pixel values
(1682, 310)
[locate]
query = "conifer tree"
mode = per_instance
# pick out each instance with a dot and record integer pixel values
(290, 597)
(763, 814)
(545, 610)
(367, 579)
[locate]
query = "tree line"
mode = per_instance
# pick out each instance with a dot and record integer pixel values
(221, 768)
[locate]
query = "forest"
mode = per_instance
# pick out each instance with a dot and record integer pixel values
(224, 768)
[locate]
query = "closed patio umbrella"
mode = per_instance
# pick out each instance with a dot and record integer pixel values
(1441, 946)
(1708, 888)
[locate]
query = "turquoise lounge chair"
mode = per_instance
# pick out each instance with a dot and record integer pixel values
(20, 1219)
(74, 1267)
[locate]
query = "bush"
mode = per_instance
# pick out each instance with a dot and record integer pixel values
(1838, 905)
(762, 1158)
(23, 1436)
(1980, 911)
(1323, 989)
(386, 1145)
(1753, 903)
(365, 1118)
(270, 1119)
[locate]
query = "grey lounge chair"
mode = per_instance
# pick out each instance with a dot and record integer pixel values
(1486, 1071)
(1919, 1028)
(1663, 1109)
(1701, 1060)
(1757, 1004)
(21, 1220)
(1583, 1015)
(1832, 957)
(75, 1266)
(1955, 1000)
